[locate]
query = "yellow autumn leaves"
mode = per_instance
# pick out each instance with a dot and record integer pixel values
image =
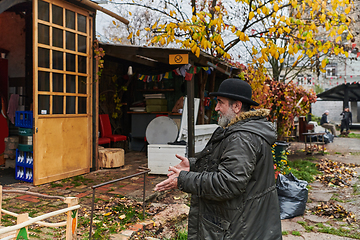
(198, 30)
(299, 23)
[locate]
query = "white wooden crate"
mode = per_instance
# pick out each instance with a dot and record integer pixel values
(203, 134)
(162, 156)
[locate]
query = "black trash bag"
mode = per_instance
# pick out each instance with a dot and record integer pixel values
(292, 194)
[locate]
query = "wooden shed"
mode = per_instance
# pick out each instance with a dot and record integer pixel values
(154, 63)
(46, 48)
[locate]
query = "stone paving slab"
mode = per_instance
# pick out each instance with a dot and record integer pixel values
(315, 236)
(315, 219)
(289, 226)
(320, 195)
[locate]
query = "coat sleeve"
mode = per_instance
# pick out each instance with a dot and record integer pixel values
(350, 118)
(234, 172)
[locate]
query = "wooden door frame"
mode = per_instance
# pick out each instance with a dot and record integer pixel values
(89, 68)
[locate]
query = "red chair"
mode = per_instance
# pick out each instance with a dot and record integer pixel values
(106, 131)
(104, 140)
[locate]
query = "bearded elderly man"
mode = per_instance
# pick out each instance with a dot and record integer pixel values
(232, 180)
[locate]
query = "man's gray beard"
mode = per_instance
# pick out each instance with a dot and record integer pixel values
(225, 119)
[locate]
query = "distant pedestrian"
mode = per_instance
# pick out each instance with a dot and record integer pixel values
(346, 121)
(326, 124)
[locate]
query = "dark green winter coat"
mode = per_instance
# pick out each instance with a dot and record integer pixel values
(233, 185)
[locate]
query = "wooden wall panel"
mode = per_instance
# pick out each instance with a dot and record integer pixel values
(61, 151)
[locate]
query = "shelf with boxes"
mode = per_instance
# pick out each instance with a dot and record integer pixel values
(156, 104)
(24, 152)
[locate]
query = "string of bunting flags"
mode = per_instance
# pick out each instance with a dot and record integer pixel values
(187, 71)
(347, 79)
(344, 79)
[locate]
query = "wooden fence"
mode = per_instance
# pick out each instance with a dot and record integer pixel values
(20, 230)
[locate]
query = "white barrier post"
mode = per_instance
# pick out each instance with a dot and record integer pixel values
(72, 218)
(22, 232)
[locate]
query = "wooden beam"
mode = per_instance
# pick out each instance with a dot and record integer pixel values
(127, 54)
(162, 56)
(104, 10)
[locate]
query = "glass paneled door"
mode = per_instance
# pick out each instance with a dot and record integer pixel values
(62, 77)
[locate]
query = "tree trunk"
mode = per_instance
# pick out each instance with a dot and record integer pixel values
(111, 157)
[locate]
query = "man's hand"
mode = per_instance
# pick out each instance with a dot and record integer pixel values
(184, 165)
(171, 182)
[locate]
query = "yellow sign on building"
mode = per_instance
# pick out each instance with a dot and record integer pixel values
(178, 59)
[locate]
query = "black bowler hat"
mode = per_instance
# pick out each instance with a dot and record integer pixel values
(235, 89)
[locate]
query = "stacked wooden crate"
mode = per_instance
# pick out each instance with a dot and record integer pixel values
(155, 102)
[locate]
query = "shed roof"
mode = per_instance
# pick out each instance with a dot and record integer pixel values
(343, 92)
(156, 59)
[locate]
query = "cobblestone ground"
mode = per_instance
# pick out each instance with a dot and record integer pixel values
(308, 226)
(80, 187)
(312, 227)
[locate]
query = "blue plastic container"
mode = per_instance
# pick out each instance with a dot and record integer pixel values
(24, 119)
(24, 174)
(24, 159)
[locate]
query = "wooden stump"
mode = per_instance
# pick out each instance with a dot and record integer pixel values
(111, 157)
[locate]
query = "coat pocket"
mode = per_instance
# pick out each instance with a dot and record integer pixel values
(213, 227)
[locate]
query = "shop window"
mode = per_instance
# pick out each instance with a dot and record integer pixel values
(43, 81)
(70, 40)
(58, 82)
(82, 105)
(70, 19)
(63, 58)
(70, 62)
(331, 70)
(70, 104)
(43, 9)
(300, 79)
(43, 34)
(44, 57)
(57, 38)
(82, 85)
(309, 79)
(44, 104)
(58, 104)
(82, 44)
(81, 23)
(82, 64)
(70, 84)
(58, 60)
(57, 15)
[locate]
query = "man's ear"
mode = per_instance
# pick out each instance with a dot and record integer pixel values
(237, 107)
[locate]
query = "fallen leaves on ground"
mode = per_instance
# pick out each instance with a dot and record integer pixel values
(334, 210)
(336, 173)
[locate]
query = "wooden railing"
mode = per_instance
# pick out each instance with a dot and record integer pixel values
(20, 230)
